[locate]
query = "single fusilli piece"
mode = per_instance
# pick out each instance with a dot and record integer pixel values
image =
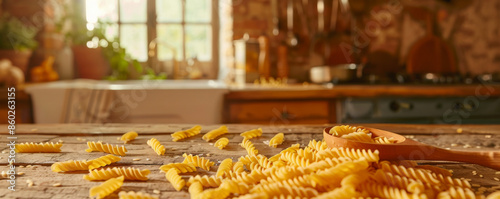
(317, 145)
(214, 193)
(384, 140)
(215, 133)
(135, 195)
(198, 161)
(277, 140)
(248, 145)
(103, 161)
(358, 136)
(340, 193)
(156, 146)
(294, 159)
(129, 136)
(179, 135)
(436, 170)
(106, 188)
(416, 174)
(206, 181)
(129, 174)
(292, 148)
(371, 156)
(494, 195)
(221, 143)
(106, 148)
(284, 188)
(180, 167)
(71, 165)
(342, 130)
(235, 187)
(327, 163)
(195, 189)
(238, 167)
(38, 147)
(175, 179)
(333, 176)
(224, 167)
(383, 191)
(252, 133)
(401, 182)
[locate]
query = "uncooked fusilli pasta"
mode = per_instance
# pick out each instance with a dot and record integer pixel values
(135, 195)
(129, 173)
(277, 140)
(224, 167)
(221, 143)
(252, 133)
(198, 161)
(129, 136)
(157, 147)
(180, 167)
(71, 165)
(179, 135)
(103, 161)
(106, 148)
(38, 147)
(215, 133)
(248, 145)
(175, 179)
(106, 188)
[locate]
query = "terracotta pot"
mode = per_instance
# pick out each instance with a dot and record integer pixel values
(90, 63)
(18, 58)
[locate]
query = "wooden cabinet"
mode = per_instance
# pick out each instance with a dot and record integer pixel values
(280, 112)
(23, 109)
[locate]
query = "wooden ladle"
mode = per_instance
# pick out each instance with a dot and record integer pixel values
(408, 149)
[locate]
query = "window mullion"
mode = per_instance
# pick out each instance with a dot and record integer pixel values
(183, 24)
(119, 22)
(151, 23)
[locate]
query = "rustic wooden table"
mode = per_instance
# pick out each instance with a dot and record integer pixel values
(74, 137)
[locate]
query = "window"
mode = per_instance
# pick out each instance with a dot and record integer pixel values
(157, 32)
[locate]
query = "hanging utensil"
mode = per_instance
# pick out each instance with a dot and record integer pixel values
(291, 38)
(274, 11)
(431, 54)
(333, 19)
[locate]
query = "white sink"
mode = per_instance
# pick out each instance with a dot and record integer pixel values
(135, 101)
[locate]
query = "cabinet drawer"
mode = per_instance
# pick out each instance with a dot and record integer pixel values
(280, 112)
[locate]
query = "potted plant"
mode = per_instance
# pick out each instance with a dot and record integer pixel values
(109, 59)
(17, 41)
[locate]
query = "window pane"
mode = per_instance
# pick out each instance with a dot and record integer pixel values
(198, 10)
(170, 37)
(110, 29)
(199, 42)
(134, 39)
(105, 10)
(169, 10)
(133, 10)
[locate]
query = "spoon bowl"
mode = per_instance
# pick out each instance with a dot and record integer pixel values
(408, 149)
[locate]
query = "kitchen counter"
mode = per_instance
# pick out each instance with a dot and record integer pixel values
(309, 91)
(74, 137)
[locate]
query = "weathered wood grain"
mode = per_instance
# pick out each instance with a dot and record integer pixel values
(75, 137)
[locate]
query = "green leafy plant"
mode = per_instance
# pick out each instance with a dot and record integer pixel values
(119, 60)
(15, 35)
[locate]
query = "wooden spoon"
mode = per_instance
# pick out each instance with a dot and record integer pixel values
(407, 149)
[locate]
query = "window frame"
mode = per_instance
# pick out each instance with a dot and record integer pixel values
(210, 68)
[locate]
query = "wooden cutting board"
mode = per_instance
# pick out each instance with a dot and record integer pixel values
(431, 54)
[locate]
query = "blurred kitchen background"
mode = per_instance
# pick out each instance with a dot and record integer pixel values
(252, 61)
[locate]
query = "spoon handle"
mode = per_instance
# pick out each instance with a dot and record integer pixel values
(420, 151)
(489, 159)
